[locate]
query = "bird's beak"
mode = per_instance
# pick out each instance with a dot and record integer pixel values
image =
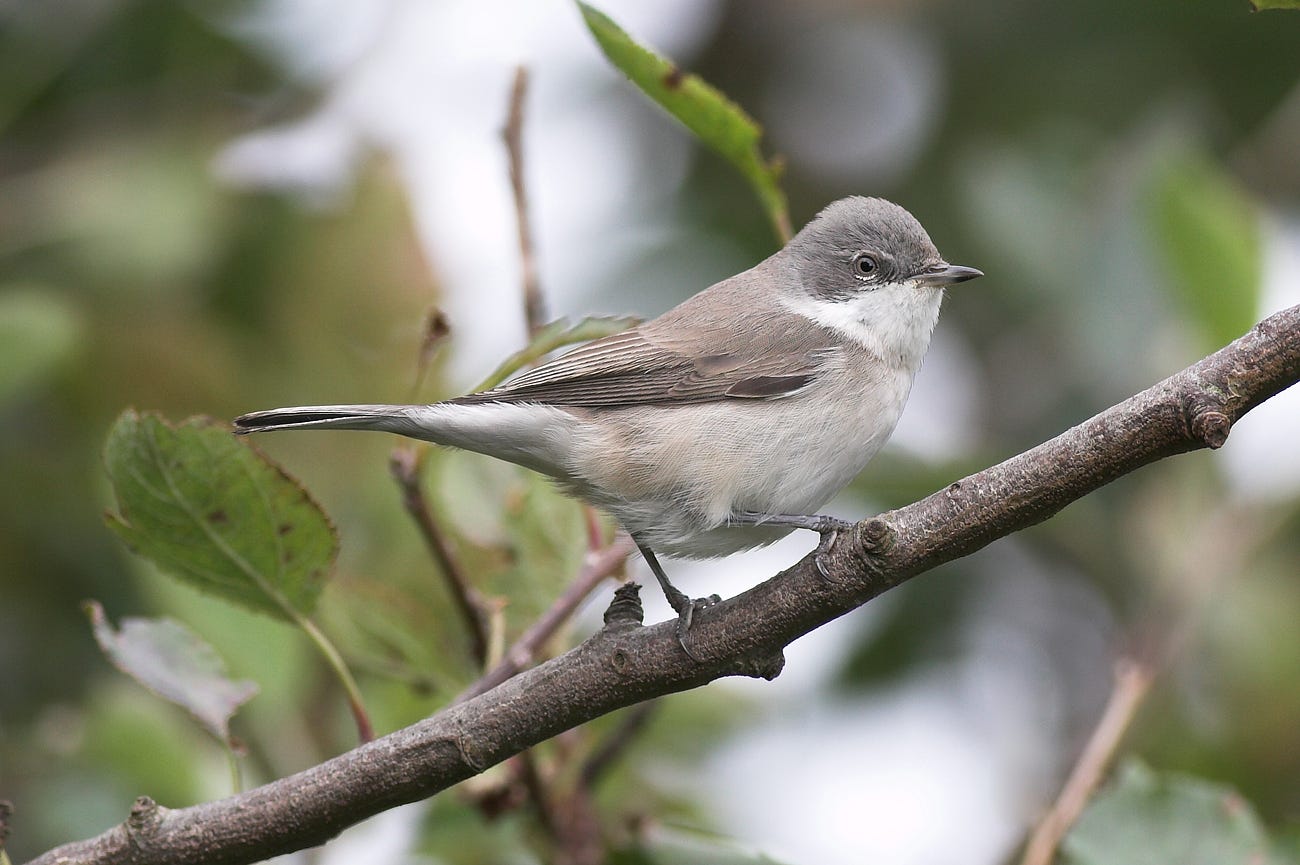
(947, 274)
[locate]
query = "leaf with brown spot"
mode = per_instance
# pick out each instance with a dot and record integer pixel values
(211, 511)
(714, 119)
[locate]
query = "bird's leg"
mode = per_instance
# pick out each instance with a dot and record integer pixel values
(684, 606)
(828, 527)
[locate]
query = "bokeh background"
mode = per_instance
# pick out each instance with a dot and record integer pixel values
(214, 207)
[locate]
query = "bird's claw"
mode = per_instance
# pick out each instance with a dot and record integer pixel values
(829, 528)
(686, 616)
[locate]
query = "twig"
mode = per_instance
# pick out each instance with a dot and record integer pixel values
(630, 726)
(538, 792)
(434, 333)
(513, 133)
(599, 564)
(626, 663)
(1132, 682)
(404, 464)
(1221, 546)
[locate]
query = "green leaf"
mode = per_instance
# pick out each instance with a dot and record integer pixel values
(1145, 817)
(1261, 5)
(715, 119)
(173, 662)
(1208, 235)
(557, 334)
(213, 512)
(38, 331)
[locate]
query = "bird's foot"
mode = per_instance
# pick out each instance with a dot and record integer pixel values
(829, 528)
(686, 608)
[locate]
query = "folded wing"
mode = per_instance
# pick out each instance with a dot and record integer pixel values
(632, 369)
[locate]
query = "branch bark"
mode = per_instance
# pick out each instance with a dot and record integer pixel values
(625, 663)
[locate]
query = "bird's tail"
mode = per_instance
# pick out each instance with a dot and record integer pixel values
(538, 437)
(388, 418)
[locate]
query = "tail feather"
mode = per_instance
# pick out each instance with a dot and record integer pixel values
(535, 436)
(392, 418)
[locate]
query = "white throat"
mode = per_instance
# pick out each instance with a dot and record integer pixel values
(893, 322)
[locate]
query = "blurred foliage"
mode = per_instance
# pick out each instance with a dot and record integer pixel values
(168, 659)
(557, 334)
(1114, 168)
(664, 847)
(1209, 238)
(1145, 817)
(38, 333)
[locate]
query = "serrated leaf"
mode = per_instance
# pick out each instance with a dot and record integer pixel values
(176, 664)
(717, 121)
(1208, 235)
(1144, 817)
(211, 511)
(557, 334)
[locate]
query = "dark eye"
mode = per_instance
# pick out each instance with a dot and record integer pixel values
(864, 264)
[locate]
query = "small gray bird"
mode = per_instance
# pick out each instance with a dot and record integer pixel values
(726, 422)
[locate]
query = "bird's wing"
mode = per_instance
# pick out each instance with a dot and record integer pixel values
(630, 368)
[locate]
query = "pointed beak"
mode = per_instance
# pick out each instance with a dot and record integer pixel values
(947, 274)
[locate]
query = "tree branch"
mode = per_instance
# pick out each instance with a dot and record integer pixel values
(404, 465)
(513, 133)
(1132, 682)
(624, 663)
(598, 565)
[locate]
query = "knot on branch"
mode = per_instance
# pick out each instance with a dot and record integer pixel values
(1206, 422)
(1211, 428)
(145, 818)
(625, 610)
(763, 667)
(875, 536)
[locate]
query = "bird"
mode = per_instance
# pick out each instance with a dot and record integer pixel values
(728, 421)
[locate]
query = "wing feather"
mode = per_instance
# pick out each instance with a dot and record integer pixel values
(630, 369)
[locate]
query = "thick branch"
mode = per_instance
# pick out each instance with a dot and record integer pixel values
(624, 663)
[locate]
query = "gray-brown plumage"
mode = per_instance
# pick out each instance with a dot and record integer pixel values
(727, 421)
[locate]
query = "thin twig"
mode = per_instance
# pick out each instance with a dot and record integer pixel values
(513, 133)
(1187, 588)
(631, 725)
(404, 464)
(598, 565)
(1132, 682)
(434, 333)
(539, 793)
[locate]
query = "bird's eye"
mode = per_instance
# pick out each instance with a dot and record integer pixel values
(864, 264)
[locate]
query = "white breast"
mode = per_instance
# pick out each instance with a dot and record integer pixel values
(675, 475)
